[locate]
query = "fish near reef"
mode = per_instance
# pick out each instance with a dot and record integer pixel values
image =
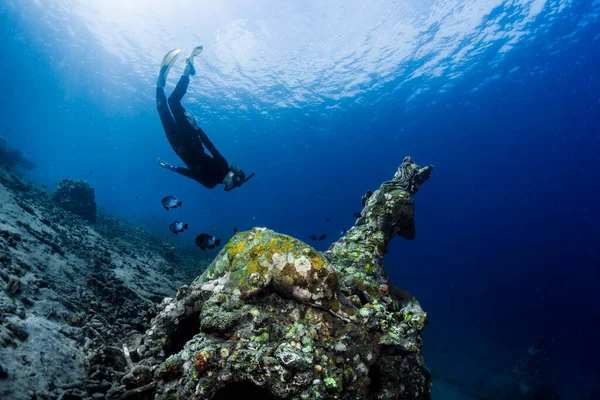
(206, 241)
(177, 227)
(170, 202)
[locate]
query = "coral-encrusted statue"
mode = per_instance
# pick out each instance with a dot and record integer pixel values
(273, 318)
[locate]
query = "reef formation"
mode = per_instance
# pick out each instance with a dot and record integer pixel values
(83, 312)
(68, 286)
(78, 197)
(273, 318)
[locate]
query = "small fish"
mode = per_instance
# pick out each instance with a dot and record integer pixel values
(90, 172)
(170, 202)
(177, 226)
(328, 219)
(313, 237)
(206, 241)
(235, 230)
(137, 197)
(343, 232)
(323, 237)
(357, 215)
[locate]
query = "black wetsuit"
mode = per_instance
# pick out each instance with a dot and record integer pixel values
(188, 141)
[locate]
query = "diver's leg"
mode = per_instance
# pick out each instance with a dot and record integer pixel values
(166, 64)
(168, 122)
(189, 62)
(182, 86)
(175, 97)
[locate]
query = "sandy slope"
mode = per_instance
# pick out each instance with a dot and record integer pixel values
(65, 287)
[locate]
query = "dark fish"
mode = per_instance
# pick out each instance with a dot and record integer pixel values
(328, 219)
(137, 197)
(177, 226)
(170, 202)
(90, 172)
(206, 241)
(357, 215)
(366, 197)
(313, 237)
(235, 230)
(323, 237)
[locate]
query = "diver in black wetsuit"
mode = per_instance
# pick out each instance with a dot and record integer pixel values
(185, 136)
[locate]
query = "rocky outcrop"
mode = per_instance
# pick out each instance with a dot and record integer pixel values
(81, 314)
(77, 197)
(68, 288)
(273, 318)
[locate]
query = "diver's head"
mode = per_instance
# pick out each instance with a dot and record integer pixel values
(191, 119)
(234, 178)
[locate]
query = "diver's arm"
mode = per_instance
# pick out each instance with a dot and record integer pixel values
(208, 144)
(171, 167)
(184, 172)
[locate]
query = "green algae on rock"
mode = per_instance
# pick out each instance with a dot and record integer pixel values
(255, 259)
(272, 315)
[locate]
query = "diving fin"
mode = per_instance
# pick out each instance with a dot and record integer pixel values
(196, 51)
(189, 62)
(165, 66)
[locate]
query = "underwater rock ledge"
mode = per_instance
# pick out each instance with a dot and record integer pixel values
(273, 318)
(69, 286)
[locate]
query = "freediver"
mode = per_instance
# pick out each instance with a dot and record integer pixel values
(185, 136)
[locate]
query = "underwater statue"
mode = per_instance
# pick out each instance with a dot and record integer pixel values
(272, 318)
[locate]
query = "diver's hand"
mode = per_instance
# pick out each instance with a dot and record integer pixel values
(165, 164)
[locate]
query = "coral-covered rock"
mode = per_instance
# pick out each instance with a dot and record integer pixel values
(271, 317)
(78, 197)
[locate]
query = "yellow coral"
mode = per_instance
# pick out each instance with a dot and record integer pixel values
(253, 266)
(279, 245)
(235, 249)
(317, 261)
(370, 268)
(256, 251)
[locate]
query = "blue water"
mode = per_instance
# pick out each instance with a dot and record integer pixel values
(506, 105)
